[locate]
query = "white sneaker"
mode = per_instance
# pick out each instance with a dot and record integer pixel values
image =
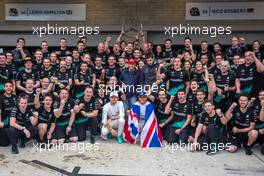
(104, 137)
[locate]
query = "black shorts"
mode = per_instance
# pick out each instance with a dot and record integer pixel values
(4, 141)
(172, 137)
(238, 139)
(192, 131)
(260, 138)
(59, 132)
(79, 130)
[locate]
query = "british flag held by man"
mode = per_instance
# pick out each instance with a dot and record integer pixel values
(131, 130)
(150, 134)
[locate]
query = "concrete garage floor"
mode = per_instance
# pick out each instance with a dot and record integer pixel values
(110, 158)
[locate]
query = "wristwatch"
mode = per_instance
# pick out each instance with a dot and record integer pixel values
(23, 128)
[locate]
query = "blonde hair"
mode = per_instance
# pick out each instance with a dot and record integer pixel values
(225, 63)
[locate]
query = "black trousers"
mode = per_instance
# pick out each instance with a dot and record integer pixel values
(260, 139)
(15, 134)
(163, 131)
(172, 137)
(59, 132)
(4, 141)
(214, 135)
(192, 131)
(80, 129)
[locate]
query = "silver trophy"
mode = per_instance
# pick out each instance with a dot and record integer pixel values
(132, 30)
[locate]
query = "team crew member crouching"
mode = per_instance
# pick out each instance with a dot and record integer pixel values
(65, 114)
(23, 124)
(258, 108)
(212, 124)
(8, 102)
(46, 121)
(243, 121)
(113, 118)
(86, 116)
(198, 111)
(160, 104)
(181, 110)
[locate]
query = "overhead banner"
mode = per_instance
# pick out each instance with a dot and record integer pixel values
(45, 12)
(225, 11)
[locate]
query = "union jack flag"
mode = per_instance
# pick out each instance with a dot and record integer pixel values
(150, 135)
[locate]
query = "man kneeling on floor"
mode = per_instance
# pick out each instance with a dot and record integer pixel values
(142, 123)
(113, 118)
(23, 124)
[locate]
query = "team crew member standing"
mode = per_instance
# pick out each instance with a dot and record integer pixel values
(82, 79)
(23, 124)
(258, 77)
(46, 69)
(233, 50)
(225, 86)
(11, 66)
(30, 93)
(198, 75)
(245, 73)
(25, 74)
(177, 77)
(87, 116)
(149, 71)
(8, 102)
(205, 51)
(62, 77)
(130, 78)
(5, 73)
(168, 53)
(112, 69)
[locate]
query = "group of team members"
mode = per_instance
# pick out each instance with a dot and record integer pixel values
(202, 97)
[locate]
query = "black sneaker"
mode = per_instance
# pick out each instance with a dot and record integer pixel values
(22, 144)
(248, 150)
(98, 131)
(92, 139)
(43, 145)
(262, 150)
(212, 152)
(14, 150)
